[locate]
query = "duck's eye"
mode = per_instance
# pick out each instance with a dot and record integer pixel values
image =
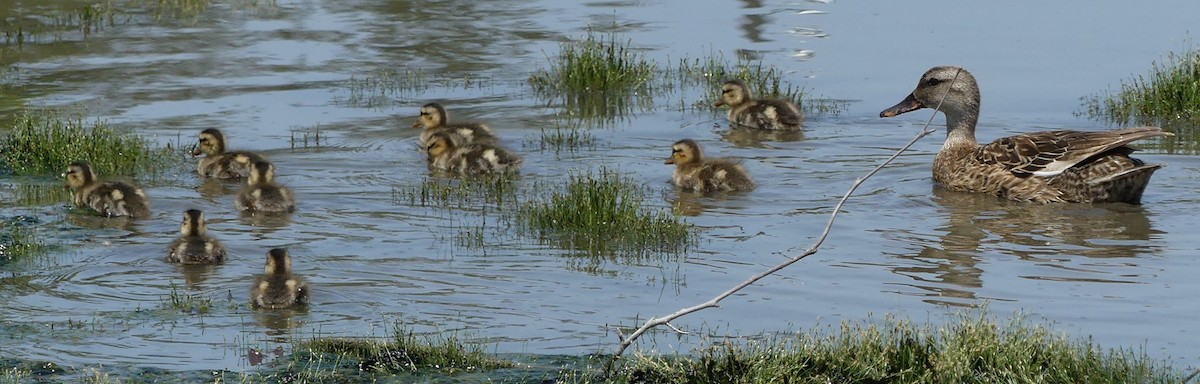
(933, 81)
(424, 113)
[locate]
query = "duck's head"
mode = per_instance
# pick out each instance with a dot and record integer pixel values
(79, 174)
(193, 223)
(278, 262)
(431, 116)
(212, 143)
(683, 152)
(261, 172)
(952, 87)
(733, 92)
(441, 143)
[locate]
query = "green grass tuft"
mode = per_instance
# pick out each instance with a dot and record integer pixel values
(973, 349)
(463, 192)
(1171, 91)
(597, 64)
(43, 142)
(603, 214)
(186, 302)
(19, 239)
(406, 352)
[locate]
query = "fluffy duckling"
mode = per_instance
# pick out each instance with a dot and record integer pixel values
(433, 118)
(695, 173)
(748, 112)
(447, 152)
(219, 163)
(277, 287)
(262, 194)
(110, 198)
(194, 245)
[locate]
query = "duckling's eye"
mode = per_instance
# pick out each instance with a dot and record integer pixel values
(424, 113)
(933, 81)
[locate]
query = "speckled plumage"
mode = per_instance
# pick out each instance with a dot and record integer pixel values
(433, 119)
(747, 112)
(109, 198)
(1041, 167)
(277, 287)
(446, 152)
(262, 194)
(219, 163)
(194, 245)
(695, 173)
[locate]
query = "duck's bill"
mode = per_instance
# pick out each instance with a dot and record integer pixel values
(719, 103)
(909, 104)
(417, 125)
(670, 160)
(196, 152)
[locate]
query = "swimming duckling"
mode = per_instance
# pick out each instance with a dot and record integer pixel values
(433, 118)
(219, 163)
(194, 245)
(748, 112)
(277, 287)
(447, 152)
(110, 198)
(695, 173)
(262, 194)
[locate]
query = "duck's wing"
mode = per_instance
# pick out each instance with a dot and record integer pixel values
(1051, 152)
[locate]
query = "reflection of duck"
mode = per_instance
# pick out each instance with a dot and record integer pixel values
(194, 245)
(747, 112)
(753, 138)
(434, 119)
(277, 287)
(695, 173)
(219, 163)
(262, 194)
(1042, 167)
(109, 198)
(447, 152)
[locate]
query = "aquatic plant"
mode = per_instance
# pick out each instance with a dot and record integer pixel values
(595, 64)
(602, 213)
(19, 239)
(301, 138)
(969, 349)
(1171, 91)
(406, 352)
(563, 136)
(186, 302)
(462, 192)
(43, 142)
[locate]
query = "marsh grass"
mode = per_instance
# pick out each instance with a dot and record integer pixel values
(15, 375)
(43, 142)
(307, 137)
(565, 135)
(1170, 92)
(596, 64)
(193, 303)
(405, 351)
(972, 349)
(32, 195)
(19, 239)
(603, 214)
(463, 192)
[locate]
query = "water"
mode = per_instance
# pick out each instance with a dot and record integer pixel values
(265, 74)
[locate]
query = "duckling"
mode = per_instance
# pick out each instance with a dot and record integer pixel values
(447, 152)
(194, 245)
(262, 194)
(745, 111)
(277, 287)
(110, 198)
(695, 173)
(219, 163)
(433, 118)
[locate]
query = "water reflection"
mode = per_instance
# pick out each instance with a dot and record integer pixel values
(979, 224)
(278, 323)
(753, 138)
(195, 274)
(88, 219)
(212, 189)
(752, 24)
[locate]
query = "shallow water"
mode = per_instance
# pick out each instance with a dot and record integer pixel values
(267, 73)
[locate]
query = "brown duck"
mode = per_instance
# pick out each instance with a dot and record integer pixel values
(695, 173)
(1041, 167)
(277, 287)
(109, 198)
(433, 119)
(219, 163)
(747, 112)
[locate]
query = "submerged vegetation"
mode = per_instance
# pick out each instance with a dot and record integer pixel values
(43, 142)
(1170, 92)
(406, 352)
(603, 214)
(19, 239)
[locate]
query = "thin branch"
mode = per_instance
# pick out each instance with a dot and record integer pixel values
(712, 303)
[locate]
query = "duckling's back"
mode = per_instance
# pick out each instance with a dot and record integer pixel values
(116, 199)
(279, 291)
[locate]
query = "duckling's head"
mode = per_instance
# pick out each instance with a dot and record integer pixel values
(684, 151)
(79, 174)
(441, 143)
(432, 116)
(278, 262)
(261, 172)
(953, 84)
(212, 143)
(733, 93)
(193, 223)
